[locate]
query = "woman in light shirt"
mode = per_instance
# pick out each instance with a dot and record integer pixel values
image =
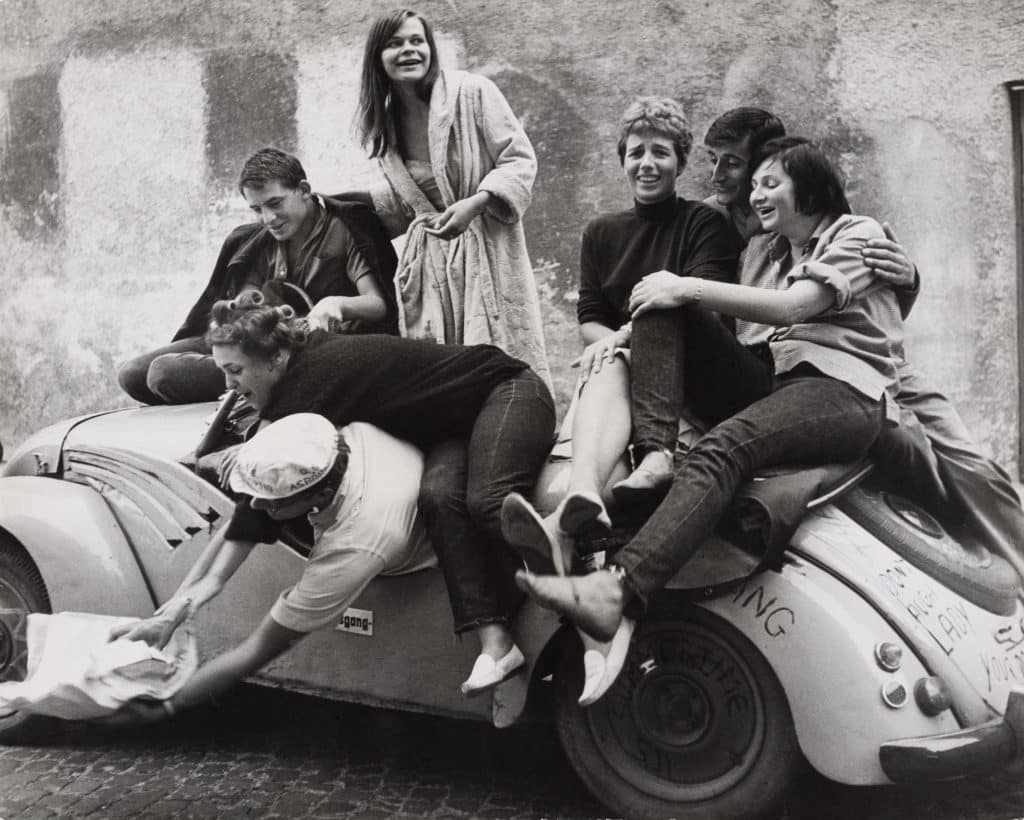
(814, 388)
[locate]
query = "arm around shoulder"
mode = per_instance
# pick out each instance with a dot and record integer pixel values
(837, 260)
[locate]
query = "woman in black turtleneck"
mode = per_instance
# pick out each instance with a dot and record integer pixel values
(660, 232)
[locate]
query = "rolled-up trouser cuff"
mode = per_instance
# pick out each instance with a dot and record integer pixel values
(478, 622)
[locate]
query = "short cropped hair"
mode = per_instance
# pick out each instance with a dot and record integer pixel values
(271, 165)
(818, 185)
(745, 122)
(661, 115)
(260, 330)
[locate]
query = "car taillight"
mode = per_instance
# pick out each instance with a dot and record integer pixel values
(889, 656)
(932, 695)
(894, 693)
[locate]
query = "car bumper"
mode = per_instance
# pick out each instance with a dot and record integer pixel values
(981, 749)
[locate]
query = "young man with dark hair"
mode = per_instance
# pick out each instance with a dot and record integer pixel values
(319, 254)
(730, 142)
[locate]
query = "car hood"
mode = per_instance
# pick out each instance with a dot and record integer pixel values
(167, 433)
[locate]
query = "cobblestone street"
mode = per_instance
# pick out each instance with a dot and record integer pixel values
(270, 754)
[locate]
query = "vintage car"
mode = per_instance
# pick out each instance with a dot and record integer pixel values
(877, 649)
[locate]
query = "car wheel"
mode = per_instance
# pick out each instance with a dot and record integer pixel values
(21, 591)
(696, 726)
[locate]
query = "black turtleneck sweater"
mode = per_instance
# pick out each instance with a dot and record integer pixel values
(685, 237)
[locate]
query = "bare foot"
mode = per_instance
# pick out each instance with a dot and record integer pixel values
(593, 602)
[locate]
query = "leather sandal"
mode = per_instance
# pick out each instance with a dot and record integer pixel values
(599, 625)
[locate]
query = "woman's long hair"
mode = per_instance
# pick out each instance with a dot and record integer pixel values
(375, 116)
(260, 330)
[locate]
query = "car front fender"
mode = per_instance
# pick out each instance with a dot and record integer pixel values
(77, 545)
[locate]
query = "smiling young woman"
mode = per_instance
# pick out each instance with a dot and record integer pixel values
(809, 378)
(457, 173)
(660, 232)
(651, 165)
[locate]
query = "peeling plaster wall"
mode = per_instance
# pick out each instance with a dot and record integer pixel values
(929, 90)
(123, 123)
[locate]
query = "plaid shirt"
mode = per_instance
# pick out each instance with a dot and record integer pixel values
(860, 338)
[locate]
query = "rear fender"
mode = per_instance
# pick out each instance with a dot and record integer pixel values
(978, 652)
(77, 545)
(819, 638)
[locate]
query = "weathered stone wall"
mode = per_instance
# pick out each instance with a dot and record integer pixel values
(123, 122)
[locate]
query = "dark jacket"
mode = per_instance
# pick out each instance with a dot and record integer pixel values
(247, 243)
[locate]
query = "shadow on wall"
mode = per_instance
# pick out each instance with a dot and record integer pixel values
(554, 223)
(30, 178)
(251, 100)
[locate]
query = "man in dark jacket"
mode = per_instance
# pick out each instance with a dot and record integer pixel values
(329, 259)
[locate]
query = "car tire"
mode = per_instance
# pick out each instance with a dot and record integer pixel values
(984, 579)
(696, 726)
(22, 591)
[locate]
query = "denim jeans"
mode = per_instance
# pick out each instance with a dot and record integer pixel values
(463, 486)
(688, 357)
(800, 418)
(179, 373)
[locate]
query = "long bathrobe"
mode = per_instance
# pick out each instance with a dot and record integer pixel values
(478, 287)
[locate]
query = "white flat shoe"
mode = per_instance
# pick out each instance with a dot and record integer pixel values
(611, 656)
(539, 543)
(593, 670)
(488, 673)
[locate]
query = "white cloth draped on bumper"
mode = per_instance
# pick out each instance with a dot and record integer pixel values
(75, 673)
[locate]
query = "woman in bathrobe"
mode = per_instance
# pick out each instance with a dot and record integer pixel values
(458, 171)
(457, 174)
